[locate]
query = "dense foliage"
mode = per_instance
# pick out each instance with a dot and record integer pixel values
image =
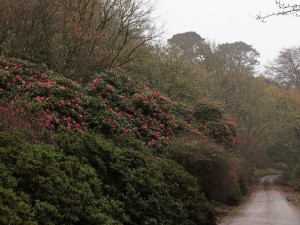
(43, 186)
(81, 179)
(213, 123)
(206, 160)
(111, 105)
(116, 185)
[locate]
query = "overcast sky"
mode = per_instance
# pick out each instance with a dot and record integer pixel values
(223, 21)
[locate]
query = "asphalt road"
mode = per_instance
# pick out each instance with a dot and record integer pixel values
(267, 206)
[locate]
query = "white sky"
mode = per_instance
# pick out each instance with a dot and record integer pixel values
(223, 21)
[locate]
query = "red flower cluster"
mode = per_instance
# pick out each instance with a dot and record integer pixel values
(134, 110)
(111, 105)
(27, 86)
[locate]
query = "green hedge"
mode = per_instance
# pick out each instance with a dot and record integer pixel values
(83, 179)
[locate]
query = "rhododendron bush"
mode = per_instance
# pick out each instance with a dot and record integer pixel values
(208, 120)
(111, 105)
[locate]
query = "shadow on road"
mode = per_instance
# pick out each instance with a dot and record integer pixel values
(267, 182)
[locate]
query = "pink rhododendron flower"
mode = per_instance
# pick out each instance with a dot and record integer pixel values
(156, 93)
(80, 131)
(232, 123)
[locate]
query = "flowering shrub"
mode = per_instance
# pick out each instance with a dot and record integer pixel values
(209, 120)
(224, 133)
(132, 109)
(54, 102)
(111, 105)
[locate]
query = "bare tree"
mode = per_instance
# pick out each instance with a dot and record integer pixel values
(77, 37)
(285, 70)
(283, 10)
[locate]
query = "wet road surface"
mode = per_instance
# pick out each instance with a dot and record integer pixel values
(267, 206)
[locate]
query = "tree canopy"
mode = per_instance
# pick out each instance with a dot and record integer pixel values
(190, 44)
(285, 69)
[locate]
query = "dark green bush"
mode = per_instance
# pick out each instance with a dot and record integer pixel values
(15, 208)
(84, 179)
(184, 188)
(220, 175)
(43, 186)
(152, 191)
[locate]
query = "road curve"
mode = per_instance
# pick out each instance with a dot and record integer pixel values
(267, 206)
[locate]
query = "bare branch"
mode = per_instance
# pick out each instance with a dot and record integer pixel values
(78, 37)
(284, 9)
